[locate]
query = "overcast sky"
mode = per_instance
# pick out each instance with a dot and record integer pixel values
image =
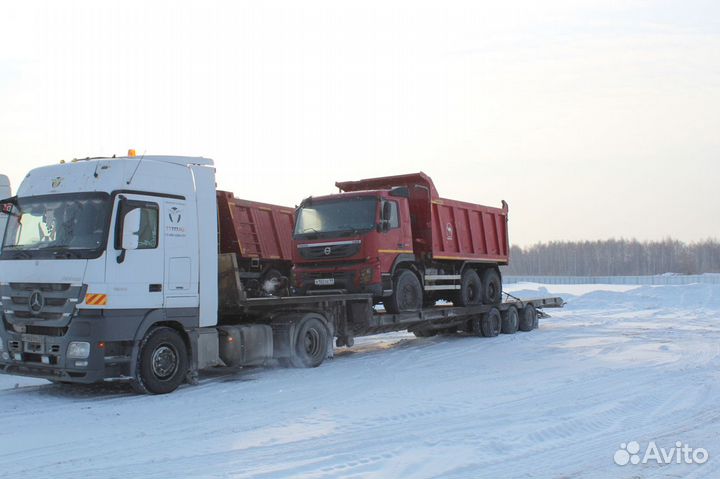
(593, 119)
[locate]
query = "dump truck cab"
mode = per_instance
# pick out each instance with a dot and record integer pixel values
(349, 242)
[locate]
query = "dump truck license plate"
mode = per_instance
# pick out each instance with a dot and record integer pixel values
(324, 281)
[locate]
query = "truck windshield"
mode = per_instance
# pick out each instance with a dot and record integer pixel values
(336, 216)
(57, 226)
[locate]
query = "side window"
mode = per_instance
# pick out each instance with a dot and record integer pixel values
(394, 217)
(149, 223)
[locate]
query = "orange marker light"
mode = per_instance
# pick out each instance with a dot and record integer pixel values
(131, 153)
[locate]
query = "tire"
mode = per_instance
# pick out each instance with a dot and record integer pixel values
(491, 287)
(407, 293)
(528, 317)
(510, 320)
(310, 344)
(490, 324)
(162, 362)
(271, 275)
(470, 289)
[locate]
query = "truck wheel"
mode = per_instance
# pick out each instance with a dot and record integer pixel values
(491, 287)
(271, 281)
(311, 344)
(510, 320)
(470, 289)
(407, 294)
(162, 362)
(528, 318)
(490, 325)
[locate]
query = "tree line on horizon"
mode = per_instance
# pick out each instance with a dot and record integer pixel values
(614, 258)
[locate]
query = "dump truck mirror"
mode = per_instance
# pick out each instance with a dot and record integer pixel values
(386, 211)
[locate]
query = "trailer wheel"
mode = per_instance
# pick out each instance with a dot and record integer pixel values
(311, 344)
(490, 325)
(510, 320)
(471, 289)
(528, 318)
(407, 294)
(491, 287)
(162, 362)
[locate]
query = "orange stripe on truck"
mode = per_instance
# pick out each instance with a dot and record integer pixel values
(96, 299)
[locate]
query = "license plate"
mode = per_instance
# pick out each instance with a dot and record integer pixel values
(324, 281)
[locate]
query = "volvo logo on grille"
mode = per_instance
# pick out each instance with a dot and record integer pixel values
(327, 250)
(37, 302)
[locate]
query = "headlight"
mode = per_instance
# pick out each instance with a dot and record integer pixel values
(366, 275)
(78, 350)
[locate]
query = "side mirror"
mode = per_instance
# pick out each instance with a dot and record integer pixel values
(386, 211)
(131, 229)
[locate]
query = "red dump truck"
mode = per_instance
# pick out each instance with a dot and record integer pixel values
(396, 238)
(260, 237)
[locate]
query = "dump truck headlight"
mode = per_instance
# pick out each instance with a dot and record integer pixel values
(78, 350)
(366, 275)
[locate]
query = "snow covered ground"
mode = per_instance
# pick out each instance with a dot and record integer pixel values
(618, 364)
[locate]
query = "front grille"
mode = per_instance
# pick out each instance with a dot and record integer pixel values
(330, 251)
(31, 302)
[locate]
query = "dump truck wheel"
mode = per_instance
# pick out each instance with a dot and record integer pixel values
(274, 278)
(528, 318)
(407, 293)
(490, 325)
(311, 344)
(471, 289)
(491, 287)
(162, 362)
(510, 320)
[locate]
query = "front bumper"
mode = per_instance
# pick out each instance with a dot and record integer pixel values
(42, 352)
(316, 281)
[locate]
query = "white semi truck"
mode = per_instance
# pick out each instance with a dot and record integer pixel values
(110, 270)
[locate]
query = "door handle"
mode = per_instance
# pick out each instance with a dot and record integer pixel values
(155, 288)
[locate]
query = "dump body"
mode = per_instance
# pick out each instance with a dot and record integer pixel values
(254, 230)
(442, 228)
(260, 235)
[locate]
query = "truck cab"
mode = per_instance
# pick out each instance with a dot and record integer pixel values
(97, 253)
(349, 241)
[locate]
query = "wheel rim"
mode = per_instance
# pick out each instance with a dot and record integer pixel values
(492, 290)
(312, 342)
(164, 361)
(472, 293)
(409, 297)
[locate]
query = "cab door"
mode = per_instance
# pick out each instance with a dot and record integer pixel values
(134, 278)
(181, 254)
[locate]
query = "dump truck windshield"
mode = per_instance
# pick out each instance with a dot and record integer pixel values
(52, 226)
(336, 216)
